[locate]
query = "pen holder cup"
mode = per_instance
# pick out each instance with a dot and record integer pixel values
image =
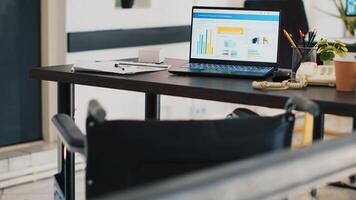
(301, 55)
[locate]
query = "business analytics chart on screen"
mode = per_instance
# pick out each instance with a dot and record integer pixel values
(242, 35)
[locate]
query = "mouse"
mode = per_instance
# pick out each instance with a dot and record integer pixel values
(279, 75)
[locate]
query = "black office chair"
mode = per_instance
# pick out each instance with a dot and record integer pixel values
(293, 19)
(123, 154)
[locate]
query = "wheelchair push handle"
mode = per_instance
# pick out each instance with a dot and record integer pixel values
(303, 104)
(70, 134)
(96, 111)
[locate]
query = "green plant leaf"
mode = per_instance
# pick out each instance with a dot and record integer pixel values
(340, 43)
(345, 49)
(327, 56)
(328, 51)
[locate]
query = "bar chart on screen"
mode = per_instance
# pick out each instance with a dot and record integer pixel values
(205, 43)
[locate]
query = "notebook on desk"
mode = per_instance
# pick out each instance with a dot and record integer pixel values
(117, 67)
(232, 42)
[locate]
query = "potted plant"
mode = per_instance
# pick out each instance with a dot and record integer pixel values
(328, 51)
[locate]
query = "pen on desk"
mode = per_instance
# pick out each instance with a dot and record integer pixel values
(295, 41)
(313, 37)
(309, 37)
(302, 38)
(143, 64)
(286, 34)
(118, 66)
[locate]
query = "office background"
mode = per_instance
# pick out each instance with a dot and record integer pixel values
(87, 23)
(97, 15)
(64, 22)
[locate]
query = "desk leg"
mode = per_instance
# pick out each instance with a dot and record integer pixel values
(66, 158)
(318, 134)
(318, 128)
(152, 106)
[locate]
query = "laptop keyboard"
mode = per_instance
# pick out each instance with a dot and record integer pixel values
(231, 69)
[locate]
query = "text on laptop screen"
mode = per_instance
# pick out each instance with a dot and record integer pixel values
(235, 35)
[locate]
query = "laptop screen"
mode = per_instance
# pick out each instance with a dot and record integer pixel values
(235, 35)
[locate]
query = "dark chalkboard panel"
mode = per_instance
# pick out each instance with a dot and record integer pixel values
(95, 40)
(20, 100)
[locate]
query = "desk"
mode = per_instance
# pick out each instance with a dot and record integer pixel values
(163, 83)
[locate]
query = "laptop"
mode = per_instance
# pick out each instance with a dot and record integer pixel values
(232, 42)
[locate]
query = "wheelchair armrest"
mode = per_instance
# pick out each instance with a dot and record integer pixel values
(303, 104)
(69, 133)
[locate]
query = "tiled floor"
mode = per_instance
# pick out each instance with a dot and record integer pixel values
(43, 190)
(40, 190)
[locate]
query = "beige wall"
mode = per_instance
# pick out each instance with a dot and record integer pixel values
(53, 47)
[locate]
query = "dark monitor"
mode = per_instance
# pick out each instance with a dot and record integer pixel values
(350, 8)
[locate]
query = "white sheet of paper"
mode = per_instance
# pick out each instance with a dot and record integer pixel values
(109, 67)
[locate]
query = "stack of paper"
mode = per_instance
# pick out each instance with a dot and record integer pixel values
(113, 67)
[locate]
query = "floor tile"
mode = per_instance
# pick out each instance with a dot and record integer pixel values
(43, 190)
(43, 157)
(27, 197)
(39, 187)
(4, 166)
(11, 154)
(19, 162)
(39, 148)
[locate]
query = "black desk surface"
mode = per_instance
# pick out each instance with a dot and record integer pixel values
(209, 88)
